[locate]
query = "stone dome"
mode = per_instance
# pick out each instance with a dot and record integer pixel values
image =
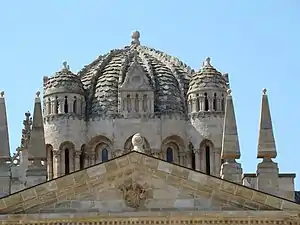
(63, 81)
(168, 77)
(208, 77)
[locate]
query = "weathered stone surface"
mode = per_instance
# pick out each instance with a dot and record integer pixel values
(168, 187)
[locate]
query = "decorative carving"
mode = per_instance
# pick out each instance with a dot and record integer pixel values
(26, 131)
(138, 142)
(134, 194)
(204, 131)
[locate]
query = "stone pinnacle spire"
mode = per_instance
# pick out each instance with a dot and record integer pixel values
(4, 137)
(230, 140)
(36, 146)
(266, 142)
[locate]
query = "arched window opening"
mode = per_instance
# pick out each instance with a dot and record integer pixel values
(67, 161)
(193, 160)
(56, 105)
(81, 160)
(145, 105)
(66, 108)
(215, 102)
(136, 103)
(223, 103)
(207, 159)
(128, 103)
(205, 102)
(169, 155)
(104, 155)
(75, 105)
(50, 159)
(197, 103)
(49, 106)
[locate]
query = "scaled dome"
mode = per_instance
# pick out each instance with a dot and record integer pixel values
(208, 77)
(63, 81)
(168, 77)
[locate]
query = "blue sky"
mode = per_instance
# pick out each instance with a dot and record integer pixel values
(256, 43)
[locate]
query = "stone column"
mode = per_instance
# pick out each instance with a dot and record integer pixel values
(50, 168)
(92, 158)
(60, 105)
(201, 102)
(77, 160)
(52, 105)
(56, 164)
(197, 159)
(141, 103)
(181, 158)
(70, 104)
(210, 103)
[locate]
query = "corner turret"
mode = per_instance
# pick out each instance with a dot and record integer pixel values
(206, 100)
(64, 114)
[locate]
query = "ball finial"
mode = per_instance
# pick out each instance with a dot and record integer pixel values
(38, 94)
(135, 37)
(264, 91)
(229, 92)
(2, 94)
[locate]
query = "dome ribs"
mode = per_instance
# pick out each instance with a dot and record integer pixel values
(98, 73)
(166, 74)
(181, 75)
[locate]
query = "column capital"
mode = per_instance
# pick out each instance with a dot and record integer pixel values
(77, 154)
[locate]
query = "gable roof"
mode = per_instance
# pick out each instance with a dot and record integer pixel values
(80, 182)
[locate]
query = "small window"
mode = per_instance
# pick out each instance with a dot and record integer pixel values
(104, 155)
(207, 159)
(75, 105)
(67, 161)
(205, 102)
(66, 107)
(170, 155)
(82, 158)
(215, 102)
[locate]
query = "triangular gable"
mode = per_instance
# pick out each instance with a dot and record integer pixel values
(136, 79)
(131, 166)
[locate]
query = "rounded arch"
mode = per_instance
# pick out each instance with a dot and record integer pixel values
(95, 141)
(207, 157)
(67, 159)
(128, 145)
(66, 144)
(173, 145)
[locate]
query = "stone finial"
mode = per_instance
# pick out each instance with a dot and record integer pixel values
(66, 67)
(230, 140)
(37, 94)
(266, 141)
(138, 142)
(135, 38)
(206, 62)
(264, 91)
(2, 94)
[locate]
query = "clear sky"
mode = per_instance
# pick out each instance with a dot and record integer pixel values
(256, 42)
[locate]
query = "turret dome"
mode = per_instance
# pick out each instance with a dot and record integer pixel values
(166, 76)
(63, 81)
(208, 77)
